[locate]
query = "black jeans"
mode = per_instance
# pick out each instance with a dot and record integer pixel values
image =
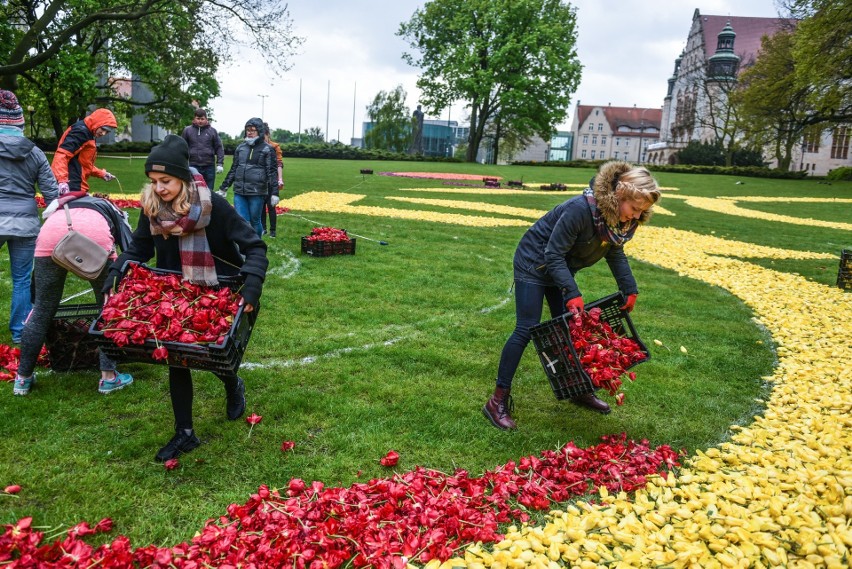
(528, 308)
(180, 389)
(273, 217)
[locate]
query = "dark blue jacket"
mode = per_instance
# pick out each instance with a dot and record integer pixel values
(561, 243)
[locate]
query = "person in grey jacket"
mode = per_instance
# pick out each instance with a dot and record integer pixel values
(254, 175)
(206, 153)
(575, 234)
(22, 166)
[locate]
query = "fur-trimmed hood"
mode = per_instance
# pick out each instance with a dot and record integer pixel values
(603, 187)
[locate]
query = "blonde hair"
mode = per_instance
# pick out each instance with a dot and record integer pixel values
(638, 184)
(152, 203)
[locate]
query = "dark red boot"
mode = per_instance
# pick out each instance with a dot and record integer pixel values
(589, 401)
(499, 408)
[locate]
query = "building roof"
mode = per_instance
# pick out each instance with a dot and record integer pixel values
(632, 117)
(749, 33)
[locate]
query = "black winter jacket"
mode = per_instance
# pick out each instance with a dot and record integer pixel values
(235, 245)
(564, 241)
(254, 171)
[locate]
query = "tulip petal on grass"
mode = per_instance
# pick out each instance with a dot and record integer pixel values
(171, 464)
(390, 459)
(287, 445)
(12, 489)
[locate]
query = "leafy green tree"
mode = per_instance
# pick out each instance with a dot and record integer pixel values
(282, 136)
(391, 127)
(62, 56)
(823, 55)
(313, 135)
(512, 59)
(776, 110)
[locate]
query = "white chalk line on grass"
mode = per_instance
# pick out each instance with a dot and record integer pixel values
(288, 268)
(499, 305)
(308, 360)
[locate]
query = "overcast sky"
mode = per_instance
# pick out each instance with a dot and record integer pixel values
(351, 52)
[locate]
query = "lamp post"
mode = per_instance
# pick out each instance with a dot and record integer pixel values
(262, 105)
(31, 110)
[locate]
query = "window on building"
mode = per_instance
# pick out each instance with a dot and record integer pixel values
(603, 139)
(593, 154)
(600, 126)
(811, 139)
(594, 140)
(616, 155)
(840, 142)
(583, 155)
(591, 126)
(597, 112)
(585, 139)
(602, 155)
(617, 141)
(626, 142)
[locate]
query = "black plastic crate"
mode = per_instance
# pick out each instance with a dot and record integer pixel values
(327, 248)
(844, 272)
(69, 345)
(222, 358)
(556, 351)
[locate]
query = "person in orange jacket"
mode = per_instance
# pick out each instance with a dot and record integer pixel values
(74, 160)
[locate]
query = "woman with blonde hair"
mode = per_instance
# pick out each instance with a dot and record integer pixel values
(200, 234)
(575, 234)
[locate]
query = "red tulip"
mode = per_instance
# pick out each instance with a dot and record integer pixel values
(390, 459)
(13, 489)
(287, 445)
(253, 419)
(171, 464)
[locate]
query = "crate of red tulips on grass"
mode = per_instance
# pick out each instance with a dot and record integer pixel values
(328, 241)
(157, 317)
(844, 272)
(593, 353)
(69, 345)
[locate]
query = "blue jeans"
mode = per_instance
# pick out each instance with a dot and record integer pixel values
(21, 251)
(250, 209)
(528, 307)
(208, 173)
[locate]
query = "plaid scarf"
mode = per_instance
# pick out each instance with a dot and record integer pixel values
(195, 257)
(618, 236)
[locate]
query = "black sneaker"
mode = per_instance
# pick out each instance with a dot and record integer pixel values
(183, 441)
(272, 233)
(236, 400)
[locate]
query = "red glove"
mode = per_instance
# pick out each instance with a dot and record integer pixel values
(574, 305)
(631, 302)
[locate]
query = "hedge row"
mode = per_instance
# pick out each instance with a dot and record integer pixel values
(291, 150)
(744, 171)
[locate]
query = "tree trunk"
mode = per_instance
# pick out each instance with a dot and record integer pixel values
(473, 139)
(496, 141)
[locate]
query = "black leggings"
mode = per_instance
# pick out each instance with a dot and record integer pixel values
(49, 282)
(180, 389)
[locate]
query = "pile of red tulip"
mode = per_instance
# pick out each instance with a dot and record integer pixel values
(328, 234)
(415, 516)
(604, 355)
(165, 308)
(9, 358)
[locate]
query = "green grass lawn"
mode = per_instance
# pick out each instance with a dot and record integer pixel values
(397, 347)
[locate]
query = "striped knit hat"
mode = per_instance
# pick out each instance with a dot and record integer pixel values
(11, 113)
